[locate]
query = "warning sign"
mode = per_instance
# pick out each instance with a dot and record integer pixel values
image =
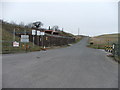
(15, 44)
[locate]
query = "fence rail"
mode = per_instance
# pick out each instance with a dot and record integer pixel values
(51, 40)
(47, 40)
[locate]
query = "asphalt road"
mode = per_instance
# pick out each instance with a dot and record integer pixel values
(76, 66)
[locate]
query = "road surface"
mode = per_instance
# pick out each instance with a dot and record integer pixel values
(76, 66)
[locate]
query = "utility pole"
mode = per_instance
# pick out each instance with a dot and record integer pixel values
(78, 31)
(62, 29)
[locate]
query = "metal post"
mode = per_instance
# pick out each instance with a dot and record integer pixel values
(78, 31)
(33, 40)
(38, 40)
(42, 41)
(33, 34)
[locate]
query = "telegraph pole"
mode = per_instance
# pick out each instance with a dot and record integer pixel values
(62, 29)
(78, 31)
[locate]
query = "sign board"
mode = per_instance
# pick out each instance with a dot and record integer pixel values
(42, 33)
(24, 38)
(33, 32)
(38, 33)
(15, 44)
(113, 46)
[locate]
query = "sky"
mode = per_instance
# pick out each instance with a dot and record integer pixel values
(92, 17)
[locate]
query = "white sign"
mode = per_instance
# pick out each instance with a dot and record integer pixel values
(24, 38)
(33, 32)
(113, 46)
(15, 44)
(42, 33)
(38, 32)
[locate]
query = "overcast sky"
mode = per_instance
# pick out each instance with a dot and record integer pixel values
(92, 17)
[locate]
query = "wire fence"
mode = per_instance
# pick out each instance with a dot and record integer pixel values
(47, 40)
(7, 47)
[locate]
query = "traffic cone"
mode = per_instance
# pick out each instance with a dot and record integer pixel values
(44, 48)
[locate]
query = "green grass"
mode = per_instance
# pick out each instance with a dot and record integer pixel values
(7, 39)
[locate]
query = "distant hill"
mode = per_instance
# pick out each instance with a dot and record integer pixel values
(111, 38)
(105, 39)
(116, 35)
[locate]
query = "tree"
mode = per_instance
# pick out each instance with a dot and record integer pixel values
(30, 25)
(56, 28)
(37, 24)
(22, 24)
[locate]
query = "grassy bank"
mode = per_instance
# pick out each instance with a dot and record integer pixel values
(7, 44)
(8, 39)
(99, 42)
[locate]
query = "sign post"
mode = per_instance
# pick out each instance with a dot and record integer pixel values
(42, 34)
(25, 38)
(33, 33)
(38, 34)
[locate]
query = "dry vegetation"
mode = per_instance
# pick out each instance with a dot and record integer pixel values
(102, 40)
(7, 38)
